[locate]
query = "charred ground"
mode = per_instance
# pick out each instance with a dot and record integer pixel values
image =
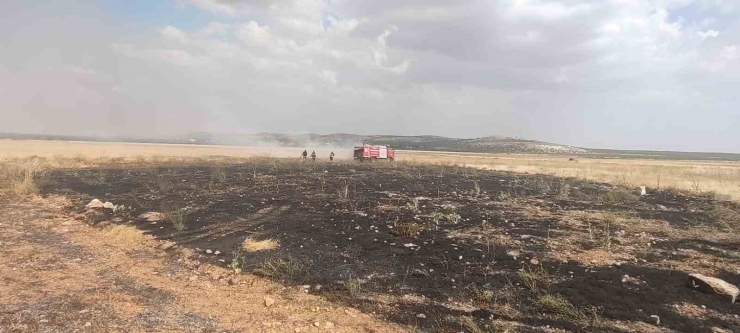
(439, 247)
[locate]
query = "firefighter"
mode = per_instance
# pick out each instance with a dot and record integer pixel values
(303, 155)
(313, 156)
(331, 156)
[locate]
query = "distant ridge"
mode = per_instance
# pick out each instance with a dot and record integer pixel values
(490, 144)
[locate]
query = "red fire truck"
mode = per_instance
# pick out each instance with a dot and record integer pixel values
(370, 152)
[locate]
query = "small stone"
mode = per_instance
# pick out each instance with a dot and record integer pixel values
(297, 330)
(350, 313)
(88, 324)
(329, 324)
(269, 301)
(209, 251)
(655, 319)
(316, 323)
(217, 252)
(421, 316)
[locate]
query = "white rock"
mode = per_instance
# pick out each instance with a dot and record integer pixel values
(709, 285)
(655, 319)
(95, 203)
(109, 205)
(209, 251)
(514, 254)
(421, 316)
(217, 252)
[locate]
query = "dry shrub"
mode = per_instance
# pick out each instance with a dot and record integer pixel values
(218, 175)
(282, 269)
(252, 245)
(354, 250)
(563, 309)
(124, 235)
(535, 277)
(386, 208)
(725, 217)
(619, 197)
(22, 177)
(176, 215)
(560, 307)
(353, 287)
(408, 229)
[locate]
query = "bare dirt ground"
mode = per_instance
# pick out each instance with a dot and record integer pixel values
(413, 247)
(60, 274)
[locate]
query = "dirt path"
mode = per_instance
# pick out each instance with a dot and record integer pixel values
(60, 275)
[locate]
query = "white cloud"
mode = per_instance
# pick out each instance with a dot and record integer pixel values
(706, 34)
(329, 77)
(545, 10)
(730, 52)
(216, 7)
(174, 33)
(380, 54)
(252, 32)
(215, 28)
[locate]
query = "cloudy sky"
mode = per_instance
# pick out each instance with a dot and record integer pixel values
(637, 74)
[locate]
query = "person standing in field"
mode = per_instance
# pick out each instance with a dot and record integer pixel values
(331, 156)
(303, 155)
(313, 156)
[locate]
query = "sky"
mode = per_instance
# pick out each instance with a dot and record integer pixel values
(623, 74)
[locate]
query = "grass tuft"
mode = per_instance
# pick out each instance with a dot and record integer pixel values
(124, 235)
(282, 269)
(724, 217)
(619, 197)
(252, 245)
(176, 215)
(353, 287)
(408, 229)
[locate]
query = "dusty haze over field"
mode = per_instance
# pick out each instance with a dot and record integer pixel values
(654, 74)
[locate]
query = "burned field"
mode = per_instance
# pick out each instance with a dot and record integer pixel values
(441, 248)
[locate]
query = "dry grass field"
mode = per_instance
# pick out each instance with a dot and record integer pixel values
(227, 239)
(697, 176)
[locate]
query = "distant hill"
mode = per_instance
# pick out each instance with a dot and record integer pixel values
(491, 144)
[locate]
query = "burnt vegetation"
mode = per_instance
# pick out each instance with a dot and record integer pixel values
(444, 248)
